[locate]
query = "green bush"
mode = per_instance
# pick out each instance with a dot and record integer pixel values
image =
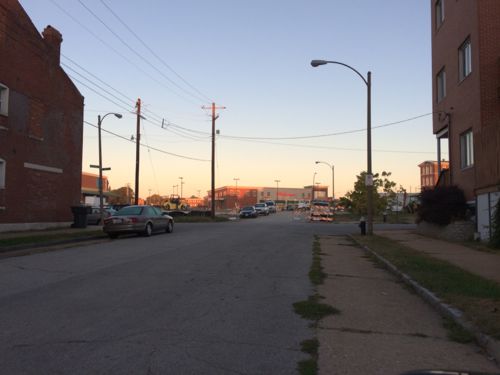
(442, 205)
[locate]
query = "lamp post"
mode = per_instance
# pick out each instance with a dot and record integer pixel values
(277, 189)
(333, 178)
(312, 195)
(369, 176)
(99, 123)
(182, 183)
(236, 179)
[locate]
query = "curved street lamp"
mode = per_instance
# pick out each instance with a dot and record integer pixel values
(99, 123)
(369, 176)
(333, 178)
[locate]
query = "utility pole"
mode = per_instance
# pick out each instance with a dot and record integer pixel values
(214, 117)
(137, 146)
(236, 179)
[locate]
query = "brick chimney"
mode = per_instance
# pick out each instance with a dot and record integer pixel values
(53, 39)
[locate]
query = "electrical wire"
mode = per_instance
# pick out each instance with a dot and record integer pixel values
(152, 52)
(150, 147)
(110, 47)
(139, 55)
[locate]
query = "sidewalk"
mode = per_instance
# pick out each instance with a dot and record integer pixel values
(382, 328)
(477, 262)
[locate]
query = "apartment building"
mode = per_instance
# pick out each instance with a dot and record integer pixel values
(466, 99)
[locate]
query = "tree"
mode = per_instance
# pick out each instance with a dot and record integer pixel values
(155, 200)
(123, 195)
(381, 184)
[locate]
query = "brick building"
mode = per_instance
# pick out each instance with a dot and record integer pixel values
(41, 126)
(466, 98)
(90, 185)
(429, 173)
(228, 197)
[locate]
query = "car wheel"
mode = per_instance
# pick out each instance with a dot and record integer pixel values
(170, 227)
(149, 230)
(113, 235)
(167, 207)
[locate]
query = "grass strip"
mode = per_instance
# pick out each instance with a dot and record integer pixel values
(199, 219)
(477, 297)
(49, 237)
(309, 366)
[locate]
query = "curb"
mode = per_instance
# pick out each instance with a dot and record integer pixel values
(26, 249)
(488, 343)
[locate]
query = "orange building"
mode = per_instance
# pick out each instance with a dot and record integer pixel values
(429, 173)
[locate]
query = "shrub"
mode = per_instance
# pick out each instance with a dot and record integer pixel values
(442, 205)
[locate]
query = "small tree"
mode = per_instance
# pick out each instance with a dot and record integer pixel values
(381, 183)
(442, 205)
(495, 233)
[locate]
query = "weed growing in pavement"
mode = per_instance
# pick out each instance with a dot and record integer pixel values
(309, 366)
(316, 274)
(311, 309)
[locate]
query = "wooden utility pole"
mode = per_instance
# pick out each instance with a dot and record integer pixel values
(137, 148)
(214, 117)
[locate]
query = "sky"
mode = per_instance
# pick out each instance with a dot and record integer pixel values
(253, 58)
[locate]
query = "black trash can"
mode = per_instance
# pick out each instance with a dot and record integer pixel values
(80, 216)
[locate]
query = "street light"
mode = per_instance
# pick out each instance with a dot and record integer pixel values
(99, 123)
(182, 183)
(333, 178)
(277, 189)
(369, 176)
(312, 195)
(236, 179)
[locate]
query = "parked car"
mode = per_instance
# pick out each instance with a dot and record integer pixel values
(138, 219)
(95, 216)
(248, 211)
(262, 209)
(272, 207)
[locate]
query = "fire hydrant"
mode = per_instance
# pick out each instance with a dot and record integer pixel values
(362, 225)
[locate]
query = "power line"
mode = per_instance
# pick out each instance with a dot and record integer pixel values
(138, 54)
(110, 47)
(148, 147)
(329, 134)
(330, 148)
(152, 52)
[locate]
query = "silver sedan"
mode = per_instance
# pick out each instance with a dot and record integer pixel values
(138, 219)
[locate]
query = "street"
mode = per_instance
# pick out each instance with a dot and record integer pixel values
(205, 299)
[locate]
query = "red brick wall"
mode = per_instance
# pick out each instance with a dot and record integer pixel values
(470, 102)
(487, 141)
(44, 125)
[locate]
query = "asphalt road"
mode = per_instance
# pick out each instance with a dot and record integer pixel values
(206, 299)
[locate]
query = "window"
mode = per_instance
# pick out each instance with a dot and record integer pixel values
(2, 173)
(441, 85)
(466, 149)
(4, 100)
(465, 59)
(439, 13)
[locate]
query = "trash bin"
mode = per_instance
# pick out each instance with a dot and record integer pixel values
(362, 225)
(80, 216)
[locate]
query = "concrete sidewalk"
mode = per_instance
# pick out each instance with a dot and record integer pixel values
(382, 327)
(477, 262)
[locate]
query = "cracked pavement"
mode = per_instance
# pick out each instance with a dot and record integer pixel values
(383, 327)
(206, 299)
